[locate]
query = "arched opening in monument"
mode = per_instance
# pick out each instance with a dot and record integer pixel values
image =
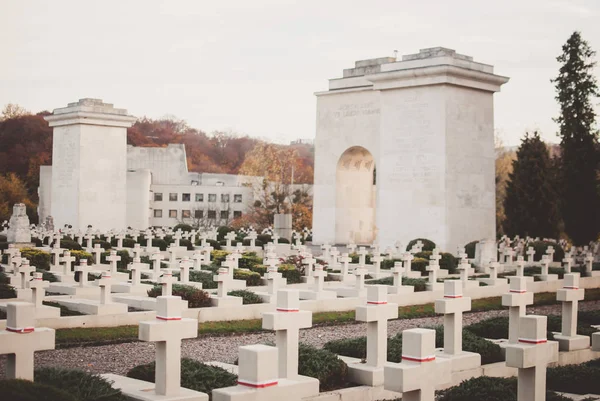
(355, 197)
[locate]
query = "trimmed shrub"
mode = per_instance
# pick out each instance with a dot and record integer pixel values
(37, 258)
(103, 244)
(3, 246)
(205, 278)
(257, 242)
(186, 228)
(194, 375)
(47, 276)
(64, 311)
(470, 249)
(249, 260)
(419, 265)
(324, 365)
(489, 389)
(38, 242)
(70, 245)
(428, 245)
(290, 273)
(494, 328)
(352, 347)
(222, 232)
(187, 243)
(540, 248)
(490, 352)
(82, 255)
(196, 297)
(260, 269)
(253, 279)
(214, 244)
(80, 384)
(160, 243)
(7, 291)
(248, 297)
(419, 284)
(25, 390)
(447, 261)
(283, 241)
(218, 256)
(356, 257)
(265, 238)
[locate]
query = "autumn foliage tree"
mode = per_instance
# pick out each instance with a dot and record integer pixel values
(13, 190)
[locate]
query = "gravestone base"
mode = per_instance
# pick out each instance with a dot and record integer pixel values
(23, 293)
(493, 282)
(547, 277)
(128, 288)
(74, 289)
(144, 391)
(566, 343)
(413, 274)
(64, 278)
(366, 375)
(403, 289)
(443, 273)
(596, 341)
(226, 302)
(117, 277)
(434, 286)
(300, 387)
(316, 296)
(310, 280)
(41, 312)
(461, 362)
(89, 307)
(141, 302)
(595, 273)
(555, 264)
(470, 284)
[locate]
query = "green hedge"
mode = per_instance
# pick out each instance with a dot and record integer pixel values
(70, 245)
(324, 365)
(540, 248)
(253, 279)
(355, 258)
(577, 379)
(37, 258)
(186, 228)
(428, 245)
(447, 261)
(196, 298)
(25, 390)
(248, 297)
(194, 375)
(488, 389)
(419, 283)
(126, 259)
(470, 249)
(81, 385)
(419, 265)
(290, 273)
(205, 278)
(103, 244)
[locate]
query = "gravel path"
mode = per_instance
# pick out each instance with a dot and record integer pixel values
(122, 357)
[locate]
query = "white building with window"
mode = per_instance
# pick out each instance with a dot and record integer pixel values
(97, 179)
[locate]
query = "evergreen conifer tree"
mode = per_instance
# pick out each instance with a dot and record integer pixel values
(576, 86)
(530, 205)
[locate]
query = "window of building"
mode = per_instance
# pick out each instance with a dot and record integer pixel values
(224, 214)
(185, 197)
(157, 196)
(225, 198)
(237, 198)
(212, 214)
(212, 197)
(198, 214)
(173, 214)
(157, 212)
(186, 214)
(199, 198)
(173, 197)
(236, 214)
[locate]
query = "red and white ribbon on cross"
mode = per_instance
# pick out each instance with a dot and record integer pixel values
(533, 340)
(452, 296)
(168, 317)
(20, 330)
(288, 310)
(518, 291)
(263, 384)
(377, 302)
(427, 358)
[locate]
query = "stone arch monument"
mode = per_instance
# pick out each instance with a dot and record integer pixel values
(425, 124)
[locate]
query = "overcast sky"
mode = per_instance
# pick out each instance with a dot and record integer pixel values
(252, 66)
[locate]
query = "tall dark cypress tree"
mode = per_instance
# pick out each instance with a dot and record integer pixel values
(530, 204)
(576, 87)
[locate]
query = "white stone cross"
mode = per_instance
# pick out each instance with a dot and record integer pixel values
(360, 278)
(362, 256)
(207, 253)
(275, 238)
(198, 259)
(273, 278)
(222, 278)
(345, 261)
(252, 237)
(287, 321)
(568, 261)
(531, 356)
(517, 300)
(452, 306)
(520, 266)
(167, 331)
(184, 268)
(589, 259)
(530, 254)
(113, 259)
(545, 264)
(230, 236)
(432, 268)
(166, 281)
(21, 339)
(67, 259)
(463, 268)
(494, 266)
(570, 295)
(136, 268)
(120, 238)
(351, 247)
(309, 262)
(137, 251)
(376, 314)
(88, 241)
(97, 251)
(550, 252)
(56, 252)
(156, 258)
(319, 275)
(420, 372)
(397, 273)
(177, 237)
(105, 283)
(25, 271)
(407, 258)
(38, 289)
(83, 272)
(376, 260)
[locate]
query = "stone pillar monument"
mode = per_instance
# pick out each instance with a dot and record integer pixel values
(19, 231)
(404, 149)
(89, 165)
(282, 224)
